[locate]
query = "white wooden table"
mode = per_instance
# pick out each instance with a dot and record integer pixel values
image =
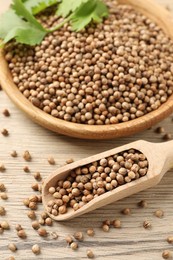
(131, 242)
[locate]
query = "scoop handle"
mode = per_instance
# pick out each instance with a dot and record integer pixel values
(167, 150)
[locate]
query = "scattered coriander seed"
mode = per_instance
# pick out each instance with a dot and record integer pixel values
(5, 225)
(160, 130)
(26, 202)
(159, 213)
(126, 211)
(33, 205)
(105, 228)
(12, 247)
(4, 132)
(2, 211)
(18, 227)
(69, 239)
(21, 233)
(35, 224)
(44, 215)
(26, 156)
(51, 160)
(90, 232)
(147, 224)
(26, 169)
(143, 204)
(167, 137)
(74, 246)
(48, 221)
(69, 161)
(41, 221)
(170, 239)
(42, 232)
(54, 235)
(90, 253)
(167, 254)
(107, 222)
(6, 112)
(116, 223)
(35, 186)
(4, 196)
(33, 198)
(2, 187)
(31, 214)
(13, 154)
(78, 236)
(36, 249)
(37, 176)
(2, 167)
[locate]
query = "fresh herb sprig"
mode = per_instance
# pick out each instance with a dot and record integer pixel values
(19, 21)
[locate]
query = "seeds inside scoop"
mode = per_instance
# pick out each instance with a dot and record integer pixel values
(85, 183)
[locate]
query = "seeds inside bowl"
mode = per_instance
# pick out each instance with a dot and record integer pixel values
(108, 73)
(87, 182)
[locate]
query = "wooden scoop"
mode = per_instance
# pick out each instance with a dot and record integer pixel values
(160, 160)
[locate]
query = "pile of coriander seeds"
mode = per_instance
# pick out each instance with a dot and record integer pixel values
(87, 182)
(108, 73)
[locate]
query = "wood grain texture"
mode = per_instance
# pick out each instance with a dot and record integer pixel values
(131, 242)
(165, 21)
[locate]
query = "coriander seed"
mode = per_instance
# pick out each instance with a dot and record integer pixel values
(143, 204)
(21, 233)
(2, 211)
(170, 239)
(35, 224)
(4, 196)
(2, 187)
(147, 224)
(36, 249)
(79, 236)
(12, 247)
(2, 168)
(69, 239)
(90, 232)
(159, 213)
(51, 160)
(167, 254)
(13, 154)
(90, 253)
(116, 223)
(42, 232)
(4, 132)
(126, 211)
(26, 156)
(69, 161)
(4, 224)
(6, 112)
(105, 228)
(31, 214)
(74, 246)
(26, 169)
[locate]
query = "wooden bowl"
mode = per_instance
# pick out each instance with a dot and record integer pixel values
(152, 10)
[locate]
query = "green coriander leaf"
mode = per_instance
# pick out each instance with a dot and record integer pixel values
(93, 10)
(13, 27)
(19, 7)
(68, 6)
(36, 6)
